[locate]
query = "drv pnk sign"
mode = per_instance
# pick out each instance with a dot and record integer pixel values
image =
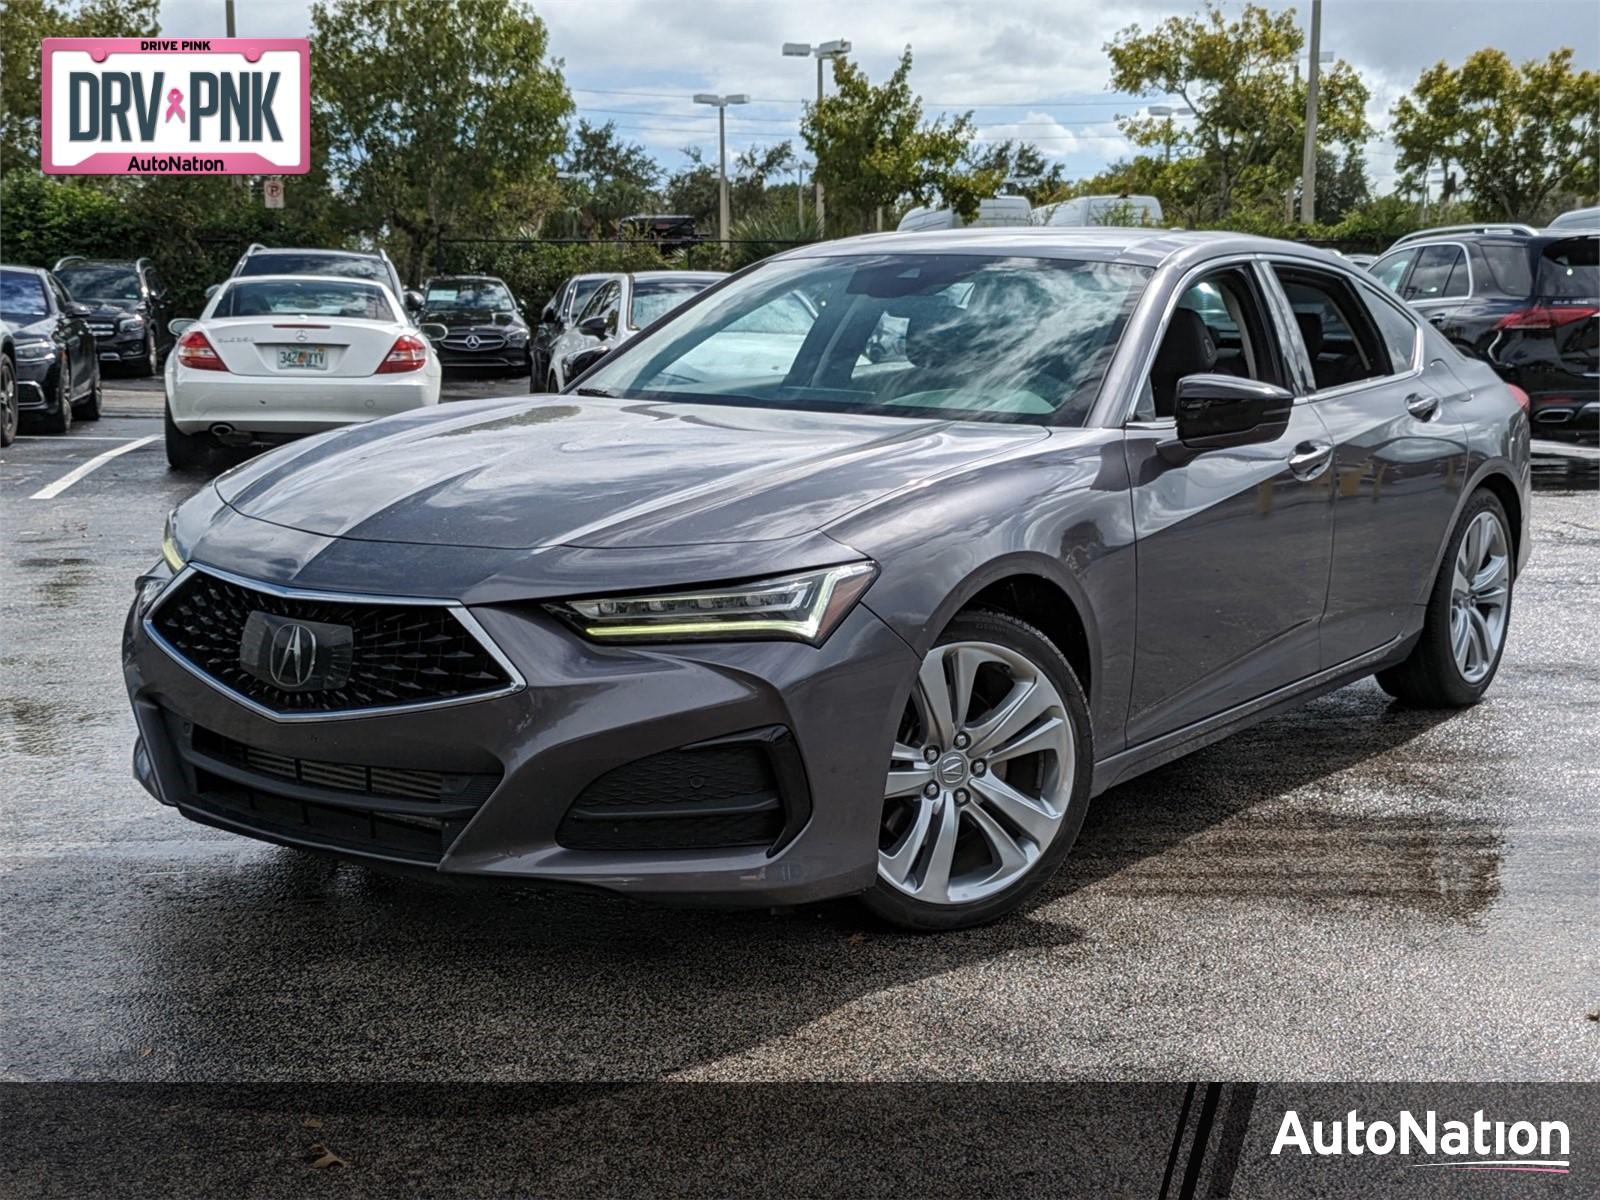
(171, 106)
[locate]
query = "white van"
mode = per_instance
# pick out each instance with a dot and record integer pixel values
(1100, 210)
(999, 210)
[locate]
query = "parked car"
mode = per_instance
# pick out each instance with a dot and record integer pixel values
(621, 306)
(1439, 231)
(1364, 261)
(1527, 304)
(8, 386)
(129, 308)
(819, 626)
(671, 231)
(274, 357)
(487, 330)
(1578, 219)
(352, 264)
(995, 211)
(1100, 210)
(57, 367)
(557, 316)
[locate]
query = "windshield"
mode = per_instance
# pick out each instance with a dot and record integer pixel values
(304, 298)
(22, 297)
(974, 337)
(356, 267)
(448, 295)
(654, 298)
(105, 282)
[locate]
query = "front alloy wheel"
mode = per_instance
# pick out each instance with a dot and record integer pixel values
(988, 777)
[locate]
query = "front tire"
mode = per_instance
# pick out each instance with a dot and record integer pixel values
(9, 413)
(59, 420)
(185, 451)
(89, 408)
(1467, 616)
(150, 364)
(989, 777)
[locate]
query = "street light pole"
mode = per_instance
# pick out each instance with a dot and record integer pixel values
(837, 48)
(1308, 158)
(721, 104)
(1170, 112)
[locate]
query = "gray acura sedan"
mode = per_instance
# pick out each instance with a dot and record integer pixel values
(750, 616)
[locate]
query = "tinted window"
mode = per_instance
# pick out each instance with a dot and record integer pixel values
(374, 269)
(1441, 272)
(1398, 331)
(604, 293)
(582, 291)
(653, 298)
(22, 297)
(1502, 269)
(986, 338)
(1568, 270)
(447, 295)
(101, 282)
(1390, 270)
(307, 298)
(1341, 342)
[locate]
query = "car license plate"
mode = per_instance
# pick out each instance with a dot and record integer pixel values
(303, 358)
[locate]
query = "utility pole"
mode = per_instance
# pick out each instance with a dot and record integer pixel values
(721, 103)
(1308, 159)
(229, 10)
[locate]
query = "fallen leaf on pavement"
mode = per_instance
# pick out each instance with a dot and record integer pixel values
(321, 1158)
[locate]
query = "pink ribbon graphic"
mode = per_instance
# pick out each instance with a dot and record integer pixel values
(175, 105)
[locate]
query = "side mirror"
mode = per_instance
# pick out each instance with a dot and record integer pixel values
(415, 302)
(75, 309)
(178, 326)
(581, 361)
(594, 326)
(434, 331)
(1224, 410)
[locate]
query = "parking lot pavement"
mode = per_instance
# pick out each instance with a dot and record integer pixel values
(1354, 891)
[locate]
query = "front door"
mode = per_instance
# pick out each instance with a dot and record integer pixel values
(1234, 544)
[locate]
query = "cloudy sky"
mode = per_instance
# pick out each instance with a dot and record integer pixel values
(1033, 69)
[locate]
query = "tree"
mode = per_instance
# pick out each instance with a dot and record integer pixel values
(1521, 137)
(614, 178)
(1036, 177)
(438, 116)
(872, 149)
(23, 25)
(1243, 145)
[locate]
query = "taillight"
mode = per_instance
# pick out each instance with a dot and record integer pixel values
(1546, 317)
(197, 353)
(410, 353)
(1520, 396)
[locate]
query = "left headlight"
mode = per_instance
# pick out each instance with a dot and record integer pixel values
(804, 607)
(131, 324)
(517, 337)
(171, 552)
(36, 351)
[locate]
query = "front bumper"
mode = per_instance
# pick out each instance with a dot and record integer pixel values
(507, 358)
(585, 711)
(36, 382)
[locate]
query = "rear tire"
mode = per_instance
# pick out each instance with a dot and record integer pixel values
(59, 419)
(185, 451)
(985, 796)
(9, 414)
(1467, 618)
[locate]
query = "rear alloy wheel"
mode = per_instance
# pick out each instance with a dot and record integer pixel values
(988, 779)
(1469, 609)
(8, 402)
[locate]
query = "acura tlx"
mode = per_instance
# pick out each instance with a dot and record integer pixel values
(749, 615)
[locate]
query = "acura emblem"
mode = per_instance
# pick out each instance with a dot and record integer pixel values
(292, 656)
(472, 341)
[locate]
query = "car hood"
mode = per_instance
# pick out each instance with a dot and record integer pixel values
(602, 473)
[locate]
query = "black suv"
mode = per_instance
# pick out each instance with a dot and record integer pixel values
(128, 308)
(1527, 303)
(487, 328)
(354, 264)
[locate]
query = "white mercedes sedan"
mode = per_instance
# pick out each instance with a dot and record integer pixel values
(273, 357)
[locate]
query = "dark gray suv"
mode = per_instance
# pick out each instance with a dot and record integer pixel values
(750, 616)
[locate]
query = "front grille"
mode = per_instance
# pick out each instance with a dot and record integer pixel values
(394, 812)
(486, 341)
(401, 654)
(744, 790)
(102, 329)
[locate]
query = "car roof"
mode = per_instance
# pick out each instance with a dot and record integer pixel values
(1100, 243)
(241, 280)
(314, 250)
(484, 278)
(681, 276)
(29, 270)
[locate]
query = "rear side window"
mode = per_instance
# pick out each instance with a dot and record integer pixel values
(1440, 273)
(1568, 270)
(1391, 270)
(1398, 331)
(1504, 269)
(1341, 341)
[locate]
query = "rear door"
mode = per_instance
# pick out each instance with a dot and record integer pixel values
(1234, 544)
(1399, 450)
(1439, 282)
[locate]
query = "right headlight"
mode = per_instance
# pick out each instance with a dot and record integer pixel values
(803, 607)
(35, 351)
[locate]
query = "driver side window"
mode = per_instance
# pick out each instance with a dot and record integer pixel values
(1216, 327)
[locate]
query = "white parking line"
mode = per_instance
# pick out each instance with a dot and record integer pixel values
(51, 491)
(68, 437)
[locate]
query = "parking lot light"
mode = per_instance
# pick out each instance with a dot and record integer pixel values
(721, 104)
(837, 48)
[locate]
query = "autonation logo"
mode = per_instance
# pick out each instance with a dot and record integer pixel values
(1476, 1145)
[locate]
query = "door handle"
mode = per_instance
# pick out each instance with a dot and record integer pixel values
(1422, 406)
(1309, 460)
(1438, 318)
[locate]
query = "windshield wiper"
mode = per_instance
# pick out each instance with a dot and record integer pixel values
(602, 393)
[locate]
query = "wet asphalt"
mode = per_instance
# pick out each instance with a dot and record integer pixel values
(1350, 892)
